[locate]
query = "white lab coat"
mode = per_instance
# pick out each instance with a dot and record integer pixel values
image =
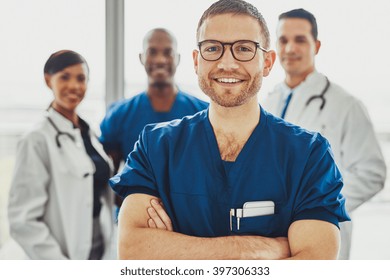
(344, 121)
(51, 196)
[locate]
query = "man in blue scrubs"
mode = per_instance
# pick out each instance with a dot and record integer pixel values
(235, 182)
(162, 101)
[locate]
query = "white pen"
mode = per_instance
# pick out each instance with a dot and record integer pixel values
(231, 217)
(239, 215)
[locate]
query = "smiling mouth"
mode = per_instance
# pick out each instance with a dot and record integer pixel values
(159, 68)
(291, 59)
(228, 80)
(74, 96)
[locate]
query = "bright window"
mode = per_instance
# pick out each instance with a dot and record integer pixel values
(31, 31)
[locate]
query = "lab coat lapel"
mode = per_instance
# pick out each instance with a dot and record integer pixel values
(273, 101)
(62, 123)
(298, 112)
(80, 165)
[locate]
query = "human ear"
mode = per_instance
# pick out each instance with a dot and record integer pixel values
(177, 59)
(142, 58)
(318, 46)
(195, 55)
(47, 80)
(269, 60)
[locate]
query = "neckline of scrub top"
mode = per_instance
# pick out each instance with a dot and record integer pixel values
(149, 104)
(246, 150)
(228, 165)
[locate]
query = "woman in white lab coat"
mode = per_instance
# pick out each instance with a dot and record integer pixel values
(344, 121)
(60, 206)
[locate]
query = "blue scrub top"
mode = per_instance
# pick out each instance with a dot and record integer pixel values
(125, 119)
(179, 162)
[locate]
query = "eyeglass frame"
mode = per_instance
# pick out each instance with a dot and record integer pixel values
(231, 49)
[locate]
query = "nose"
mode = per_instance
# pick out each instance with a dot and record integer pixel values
(74, 84)
(227, 61)
(160, 58)
(290, 47)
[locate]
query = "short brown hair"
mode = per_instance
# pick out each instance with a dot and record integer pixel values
(237, 7)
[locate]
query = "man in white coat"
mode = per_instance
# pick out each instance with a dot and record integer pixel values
(308, 99)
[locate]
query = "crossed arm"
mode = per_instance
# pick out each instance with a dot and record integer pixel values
(145, 232)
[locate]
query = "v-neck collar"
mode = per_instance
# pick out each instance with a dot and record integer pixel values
(151, 109)
(244, 153)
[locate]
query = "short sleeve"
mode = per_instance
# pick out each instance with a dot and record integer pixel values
(319, 196)
(137, 175)
(109, 128)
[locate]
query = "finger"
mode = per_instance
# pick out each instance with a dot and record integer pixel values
(158, 206)
(156, 218)
(162, 214)
(151, 223)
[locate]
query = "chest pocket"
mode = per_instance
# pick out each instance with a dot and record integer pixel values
(267, 226)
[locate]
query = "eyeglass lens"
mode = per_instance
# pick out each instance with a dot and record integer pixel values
(241, 50)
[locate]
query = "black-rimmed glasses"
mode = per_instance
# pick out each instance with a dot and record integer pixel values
(242, 50)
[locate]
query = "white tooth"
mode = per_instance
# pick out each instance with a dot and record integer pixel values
(228, 80)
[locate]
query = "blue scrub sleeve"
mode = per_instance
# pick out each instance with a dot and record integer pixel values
(319, 197)
(109, 128)
(137, 175)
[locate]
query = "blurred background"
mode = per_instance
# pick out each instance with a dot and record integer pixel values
(109, 34)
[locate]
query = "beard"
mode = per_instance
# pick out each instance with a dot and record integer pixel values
(228, 98)
(160, 76)
(160, 85)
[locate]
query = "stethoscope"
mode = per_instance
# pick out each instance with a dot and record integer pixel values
(60, 133)
(320, 96)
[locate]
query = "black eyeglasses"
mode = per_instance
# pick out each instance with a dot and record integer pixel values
(243, 50)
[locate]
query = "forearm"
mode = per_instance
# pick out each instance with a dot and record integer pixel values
(314, 254)
(146, 243)
(138, 241)
(313, 240)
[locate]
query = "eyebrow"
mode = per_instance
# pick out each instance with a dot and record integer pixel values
(155, 48)
(300, 37)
